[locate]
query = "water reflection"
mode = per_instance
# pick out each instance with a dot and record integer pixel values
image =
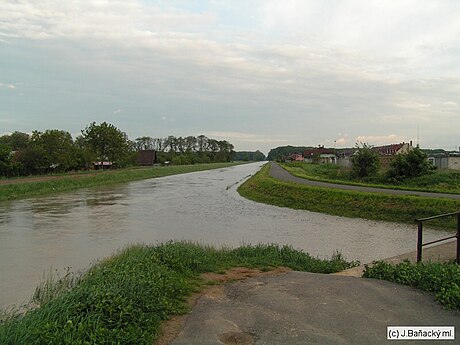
(75, 229)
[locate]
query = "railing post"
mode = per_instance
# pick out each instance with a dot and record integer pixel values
(458, 238)
(419, 242)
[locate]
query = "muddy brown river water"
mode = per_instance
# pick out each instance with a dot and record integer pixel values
(75, 229)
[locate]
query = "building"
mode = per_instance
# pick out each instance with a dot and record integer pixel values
(319, 155)
(387, 153)
(146, 157)
(450, 160)
(294, 157)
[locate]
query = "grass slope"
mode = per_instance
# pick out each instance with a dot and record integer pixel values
(65, 183)
(376, 206)
(124, 299)
(439, 182)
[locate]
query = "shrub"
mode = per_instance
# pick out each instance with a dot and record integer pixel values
(365, 162)
(443, 279)
(409, 165)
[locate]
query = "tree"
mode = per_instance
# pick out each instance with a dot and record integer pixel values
(365, 162)
(107, 142)
(16, 141)
(144, 143)
(5, 161)
(409, 165)
(59, 151)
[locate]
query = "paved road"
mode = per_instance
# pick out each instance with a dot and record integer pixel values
(307, 308)
(279, 173)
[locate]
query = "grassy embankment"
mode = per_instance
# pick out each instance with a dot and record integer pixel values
(375, 206)
(442, 279)
(440, 181)
(124, 299)
(26, 187)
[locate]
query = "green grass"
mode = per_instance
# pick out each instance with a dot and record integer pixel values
(124, 299)
(442, 181)
(75, 181)
(375, 206)
(442, 279)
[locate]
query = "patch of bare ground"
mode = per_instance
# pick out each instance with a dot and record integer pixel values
(213, 288)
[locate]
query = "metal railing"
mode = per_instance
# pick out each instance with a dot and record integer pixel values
(420, 243)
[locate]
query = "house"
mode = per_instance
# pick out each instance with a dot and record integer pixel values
(344, 157)
(388, 153)
(146, 157)
(319, 154)
(294, 157)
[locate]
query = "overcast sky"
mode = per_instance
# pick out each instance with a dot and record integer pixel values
(259, 74)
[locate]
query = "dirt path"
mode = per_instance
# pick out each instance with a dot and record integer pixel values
(279, 173)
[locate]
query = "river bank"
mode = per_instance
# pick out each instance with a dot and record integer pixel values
(75, 229)
(348, 203)
(18, 188)
(125, 298)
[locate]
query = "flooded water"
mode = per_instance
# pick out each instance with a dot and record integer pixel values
(75, 229)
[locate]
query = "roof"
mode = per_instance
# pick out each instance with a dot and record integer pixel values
(388, 149)
(317, 151)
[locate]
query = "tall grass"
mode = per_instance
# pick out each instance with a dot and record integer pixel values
(376, 206)
(124, 299)
(442, 279)
(71, 182)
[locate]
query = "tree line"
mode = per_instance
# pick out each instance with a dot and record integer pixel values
(187, 150)
(54, 150)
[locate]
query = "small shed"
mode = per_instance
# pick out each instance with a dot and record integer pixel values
(146, 157)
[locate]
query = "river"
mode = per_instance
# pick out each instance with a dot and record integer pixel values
(75, 229)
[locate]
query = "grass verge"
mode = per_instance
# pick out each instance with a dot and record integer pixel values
(443, 181)
(124, 299)
(64, 183)
(375, 206)
(442, 279)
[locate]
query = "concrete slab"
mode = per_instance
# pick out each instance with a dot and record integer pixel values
(306, 308)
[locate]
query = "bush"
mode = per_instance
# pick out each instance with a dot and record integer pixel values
(365, 162)
(443, 279)
(409, 165)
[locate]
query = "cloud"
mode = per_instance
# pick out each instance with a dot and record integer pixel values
(11, 86)
(117, 111)
(246, 137)
(380, 139)
(302, 69)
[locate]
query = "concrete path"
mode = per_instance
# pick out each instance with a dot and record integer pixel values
(306, 308)
(279, 173)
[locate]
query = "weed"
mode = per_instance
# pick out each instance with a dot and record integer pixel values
(442, 279)
(123, 300)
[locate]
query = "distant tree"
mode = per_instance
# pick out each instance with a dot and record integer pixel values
(248, 156)
(365, 162)
(106, 141)
(144, 143)
(32, 160)
(15, 141)
(409, 165)
(6, 167)
(59, 151)
(190, 144)
(284, 151)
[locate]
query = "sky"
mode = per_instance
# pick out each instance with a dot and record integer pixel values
(258, 73)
